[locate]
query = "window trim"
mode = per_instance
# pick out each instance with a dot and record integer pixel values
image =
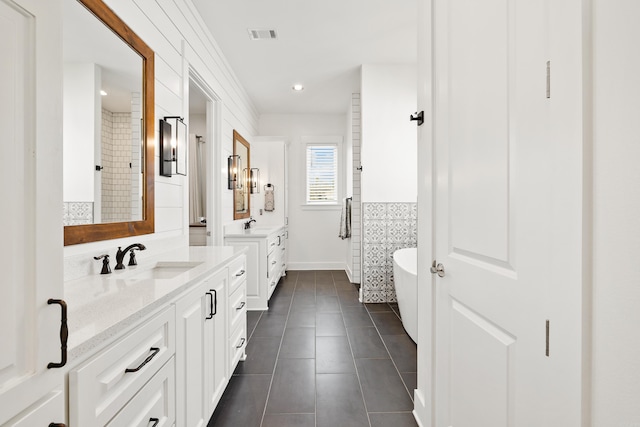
(334, 141)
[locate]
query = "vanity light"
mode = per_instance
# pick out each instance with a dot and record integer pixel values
(298, 87)
(178, 143)
(166, 151)
(234, 166)
(254, 180)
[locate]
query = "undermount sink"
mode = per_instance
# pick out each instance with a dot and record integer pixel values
(165, 270)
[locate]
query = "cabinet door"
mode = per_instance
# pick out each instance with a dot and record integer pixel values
(31, 218)
(191, 341)
(215, 353)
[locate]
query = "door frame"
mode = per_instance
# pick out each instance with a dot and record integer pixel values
(213, 136)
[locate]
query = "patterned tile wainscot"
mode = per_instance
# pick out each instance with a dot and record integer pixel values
(386, 227)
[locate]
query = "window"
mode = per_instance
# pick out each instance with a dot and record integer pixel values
(322, 174)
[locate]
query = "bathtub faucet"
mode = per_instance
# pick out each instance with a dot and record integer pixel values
(120, 254)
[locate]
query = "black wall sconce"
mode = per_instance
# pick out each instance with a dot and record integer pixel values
(234, 171)
(173, 146)
(254, 180)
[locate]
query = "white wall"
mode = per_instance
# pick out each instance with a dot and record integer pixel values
(313, 234)
(180, 40)
(198, 124)
(389, 139)
(616, 215)
(81, 127)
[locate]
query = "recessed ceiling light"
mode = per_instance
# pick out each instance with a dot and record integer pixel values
(298, 87)
(103, 93)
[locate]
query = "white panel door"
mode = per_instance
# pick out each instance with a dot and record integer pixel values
(191, 343)
(493, 196)
(215, 373)
(31, 216)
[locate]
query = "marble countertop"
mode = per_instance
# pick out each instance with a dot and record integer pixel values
(257, 231)
(102, 306)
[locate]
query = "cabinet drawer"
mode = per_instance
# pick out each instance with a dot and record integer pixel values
(273, 281)
(272, 242)
(155, 402)
(237, 273)
(273, 262)
(237, 344)
(237, 307)
(103, 385)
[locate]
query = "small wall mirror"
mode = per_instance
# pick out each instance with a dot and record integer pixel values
(241, 200)
(108, 126)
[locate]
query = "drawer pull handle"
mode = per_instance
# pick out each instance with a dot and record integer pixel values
(273, 283)
(240, 273)
(57, 425)
(213, 305)
(155, 421)
(279, 240)
(154, 351)
(64, 333)
(242, 340)
(273, 262)
(240, 307)
(273, 244)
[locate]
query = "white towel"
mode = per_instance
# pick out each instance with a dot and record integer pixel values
(269, 198)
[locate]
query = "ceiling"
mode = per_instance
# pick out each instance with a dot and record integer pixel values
(320, 44)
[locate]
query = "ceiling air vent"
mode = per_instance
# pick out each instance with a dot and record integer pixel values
(257, 34)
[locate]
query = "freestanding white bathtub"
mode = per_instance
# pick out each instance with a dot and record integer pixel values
(405, 276)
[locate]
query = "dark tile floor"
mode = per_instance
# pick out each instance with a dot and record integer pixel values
(320, 358)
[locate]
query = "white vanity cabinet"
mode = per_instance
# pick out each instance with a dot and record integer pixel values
(201, 360)
(265, 261)
(169, 360)
(107, 383)
(237, 314)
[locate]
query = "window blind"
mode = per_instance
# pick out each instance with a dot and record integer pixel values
(322, 174)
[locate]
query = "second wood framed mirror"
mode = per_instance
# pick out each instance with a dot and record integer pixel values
(242, 156)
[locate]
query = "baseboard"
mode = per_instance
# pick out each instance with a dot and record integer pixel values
(347, 270)
(420, 410)
(315, 266)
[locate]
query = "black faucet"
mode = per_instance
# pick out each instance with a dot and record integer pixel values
(105, 263)
(247, 225)
(120, 254)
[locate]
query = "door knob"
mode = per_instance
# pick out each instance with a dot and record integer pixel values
(437, 269)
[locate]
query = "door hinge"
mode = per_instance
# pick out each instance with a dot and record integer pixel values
(546, 351)
(548, 79)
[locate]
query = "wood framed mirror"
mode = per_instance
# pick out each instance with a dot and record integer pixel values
(241, 199)
(108, 79)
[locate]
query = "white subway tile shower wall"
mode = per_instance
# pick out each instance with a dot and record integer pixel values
(387, 227)
(136, 147)
(356, 224)
(116, 160)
